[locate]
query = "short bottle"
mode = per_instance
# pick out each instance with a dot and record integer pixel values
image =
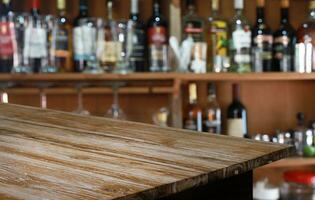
(237, 116)
(218, 43)
(193, 119)
(212, 113)
(240, 41)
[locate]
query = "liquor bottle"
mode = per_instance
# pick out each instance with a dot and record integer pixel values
(36, 39)
(262, 42)
(300, 133)
(237, 115)
(241, 39)
(218, 41)
(80, 60)
(194, 27)
(284, 42)
(63, 39)
(194, 115)
(304, 59)
(6, 37)
(138, 38)
(212, 118)
(157, 35)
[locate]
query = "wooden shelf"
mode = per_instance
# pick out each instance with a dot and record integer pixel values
(292, 162)
(72, 77)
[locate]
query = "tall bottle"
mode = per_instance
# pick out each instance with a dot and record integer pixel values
(194, 27)
(212, 113)
(6, 37)
(80, 60)
(262, 42)
(241, 39)
(157, 35)
(284, 42)
(218, 41)
(138, 39)
(36, 39)
(63, 52)
(237, 115)
(304, 55)
(193, 119)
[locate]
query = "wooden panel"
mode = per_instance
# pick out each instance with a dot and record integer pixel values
(48, 154)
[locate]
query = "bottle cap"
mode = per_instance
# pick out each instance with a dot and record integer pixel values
(61, 4)
(300, 177)
(192, 92)
(6, 1)
(285, 3)
(312, 4)
(239, 4)
(211, 88)
(134, 6)
(260, 3)
(215, 4)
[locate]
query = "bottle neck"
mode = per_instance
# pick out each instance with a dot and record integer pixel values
(284, 15)
(236, 93)
(193, 94)
(191, 9)
(239, 11)
(156, 8)
(134, 14)
(260, 15)
(312, 14)
(83, 9)
(7, 9)
(35, 8)
(110, 10)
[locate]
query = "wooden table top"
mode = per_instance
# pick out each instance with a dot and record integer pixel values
(46, 154)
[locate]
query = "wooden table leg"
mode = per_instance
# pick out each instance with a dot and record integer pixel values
(236, 187)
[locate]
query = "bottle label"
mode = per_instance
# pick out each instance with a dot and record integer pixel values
(304, 56)
(199, 58)
(35, 42)
(194, 123)
(138, 41)
(158, 49)
(219, 38)
(84, 42)
(6, 39)
(111, 52)
(62, 44)
(282, 53)
(264, 42)
(194, 29)
(242, 44)
(235, 127)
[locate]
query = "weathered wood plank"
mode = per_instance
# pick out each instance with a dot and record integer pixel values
(56, 155)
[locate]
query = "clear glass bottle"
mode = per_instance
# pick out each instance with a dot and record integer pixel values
(304, 55)
(218, 43)
(194, 28)
(212, 119)
(241, 40)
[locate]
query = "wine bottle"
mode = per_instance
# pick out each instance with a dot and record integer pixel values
(305, 39)
(138, 38)
(80, 60)
(63, 39)
(284, 42)
(194, 27)
(193, 119)
(218, 41)
(241, 38)
(6, 37)
(237, 116)
(262, 42)
(157, 35)
(36, 38)
(212, 118)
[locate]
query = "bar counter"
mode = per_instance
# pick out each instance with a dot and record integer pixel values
(46, 154)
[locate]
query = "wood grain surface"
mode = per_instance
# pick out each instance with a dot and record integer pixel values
(46, 154)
